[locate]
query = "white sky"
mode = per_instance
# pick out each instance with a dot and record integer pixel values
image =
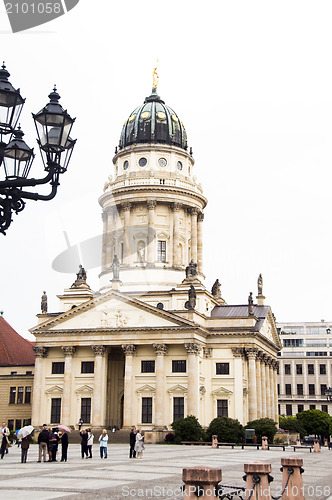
(252, 82)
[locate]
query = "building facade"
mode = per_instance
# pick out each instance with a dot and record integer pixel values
(304, 367)
(153, 344)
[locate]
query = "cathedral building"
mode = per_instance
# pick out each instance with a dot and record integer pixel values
(153, 344)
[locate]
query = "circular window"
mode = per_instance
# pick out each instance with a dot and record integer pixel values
(162, 162)
(145, 115)
(175, 118)
(142, 162)
(131, 118)
(179, 165)
(126, 165)
(161, 115)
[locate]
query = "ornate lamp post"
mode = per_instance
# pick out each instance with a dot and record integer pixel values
(53, 125)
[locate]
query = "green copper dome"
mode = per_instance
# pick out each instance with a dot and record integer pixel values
(153, 122)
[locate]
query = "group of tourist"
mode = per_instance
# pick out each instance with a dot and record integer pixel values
(48, 441)
(136, 440)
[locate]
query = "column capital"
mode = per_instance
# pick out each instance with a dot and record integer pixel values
(176, 206)
(200, 217)
(151, 204)
(194, 210)
(207, 352)
(100, 350)
(126, 206)
(160, 349)
(40, 351)
(69, 350)
(251, 352)
(128, 349)
(192, 348)
(238, 352)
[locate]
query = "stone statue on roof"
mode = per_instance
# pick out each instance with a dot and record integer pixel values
(216, 289)
(192, 297)
(191, 269)
(44, 303)
(260, 285)
(81, 275)
(116, 268)
(250, 304)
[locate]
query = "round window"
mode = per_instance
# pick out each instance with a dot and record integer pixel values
(161, 115)
(162, 162)
(131, 118)
(142, 162)
(145, 115)
(179, 165)
(126, 165)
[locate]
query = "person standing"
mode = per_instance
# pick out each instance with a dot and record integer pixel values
(90, 443)
(80, 423)
(103, 440)
(132, 441)
(139, 444)
(64, 446)
(54, 441)
(43, 440)
(84, 443)
(24, 448)
(4, 440)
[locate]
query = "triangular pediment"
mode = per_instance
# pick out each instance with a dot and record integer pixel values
(268, 329)
(113, 310)
(54, 390)
(84, 389)
(146, 388)
(178, 389)
(222, 391)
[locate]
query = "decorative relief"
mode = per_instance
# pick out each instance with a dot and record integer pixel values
(192, 348)
(160, 349)
(128, 349)
(69, 350)
(99, 350)
(176, 206)
(207, 352)
(194, 211)
(126, 206)
(40, 351)
(238, 352)
(251, 352)
(151, 204)
(200, 217)
(117, 320)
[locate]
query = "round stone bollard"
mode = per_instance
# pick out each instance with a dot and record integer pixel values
(316, 446)
(214, 441)
(201, 482)
(292, 475)
(257, 481)
(265, 443)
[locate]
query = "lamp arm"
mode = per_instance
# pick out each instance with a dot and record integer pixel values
(40, 197)
(17, 183)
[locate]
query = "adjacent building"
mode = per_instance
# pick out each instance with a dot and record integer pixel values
(304, 367)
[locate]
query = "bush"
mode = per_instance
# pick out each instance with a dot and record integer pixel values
(291, 424)
(188, 429)
(169, 438)
(263, 427)
(227, 429)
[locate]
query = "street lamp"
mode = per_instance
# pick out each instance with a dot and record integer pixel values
(53, 125)
(328, 393)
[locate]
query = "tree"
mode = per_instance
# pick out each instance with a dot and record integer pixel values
(188, 429)
(291, 424)
(227, 429)
(315, 422)
(263, 427)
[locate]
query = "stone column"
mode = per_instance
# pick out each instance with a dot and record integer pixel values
(126, 207)
(159, 420)
(67, 417)
(151, 255)
(258, 386)
(252, 388)
(193, 379)
(176, 234)
(37, 417)
(263, 387)
(200, 219)
(272, 389)
(268, 387)
(238, 354)
(275, 374)
(194, 212)
(104, 247)
(129, 350)
(99, 385)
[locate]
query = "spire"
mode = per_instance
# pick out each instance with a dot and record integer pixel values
(155, 78)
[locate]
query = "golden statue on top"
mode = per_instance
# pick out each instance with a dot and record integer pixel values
(155, 78)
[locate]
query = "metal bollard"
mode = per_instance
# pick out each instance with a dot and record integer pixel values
(258, 481)
(316, 446)
(265, 443)
(201, 482)
(292, 481)
(214, 441)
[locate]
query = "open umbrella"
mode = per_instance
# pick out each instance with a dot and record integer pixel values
(63, 428)
(25, 431)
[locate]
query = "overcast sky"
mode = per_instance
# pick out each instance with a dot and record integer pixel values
(252, 83)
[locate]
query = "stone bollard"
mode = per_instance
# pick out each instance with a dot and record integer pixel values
(316, 446)
(265, 443)
(215, 441)
(294, 488)
(257, 478)
(201, 482)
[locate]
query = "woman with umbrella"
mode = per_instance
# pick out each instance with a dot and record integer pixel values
(25, 435)
(64, 441)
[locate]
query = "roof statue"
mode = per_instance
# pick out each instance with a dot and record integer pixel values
(191, 269)
(44, 303)
(80, 278)
(192, 297)
(250, 305)
(81, 275)
(216, 291)
(116, 268)
(260, 285)
(155, 78)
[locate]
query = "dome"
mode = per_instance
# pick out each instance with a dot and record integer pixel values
(153, 122)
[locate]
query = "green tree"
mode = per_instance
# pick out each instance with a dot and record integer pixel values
(263, 427)
(188, 429)
(315, 422)
(227, 429)
(291, 424)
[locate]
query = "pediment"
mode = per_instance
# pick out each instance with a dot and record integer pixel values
(222, 391)
(54, 390)
(178, 389)
(269, 330)
(113, 310)
(146, 388)
(84, 389)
